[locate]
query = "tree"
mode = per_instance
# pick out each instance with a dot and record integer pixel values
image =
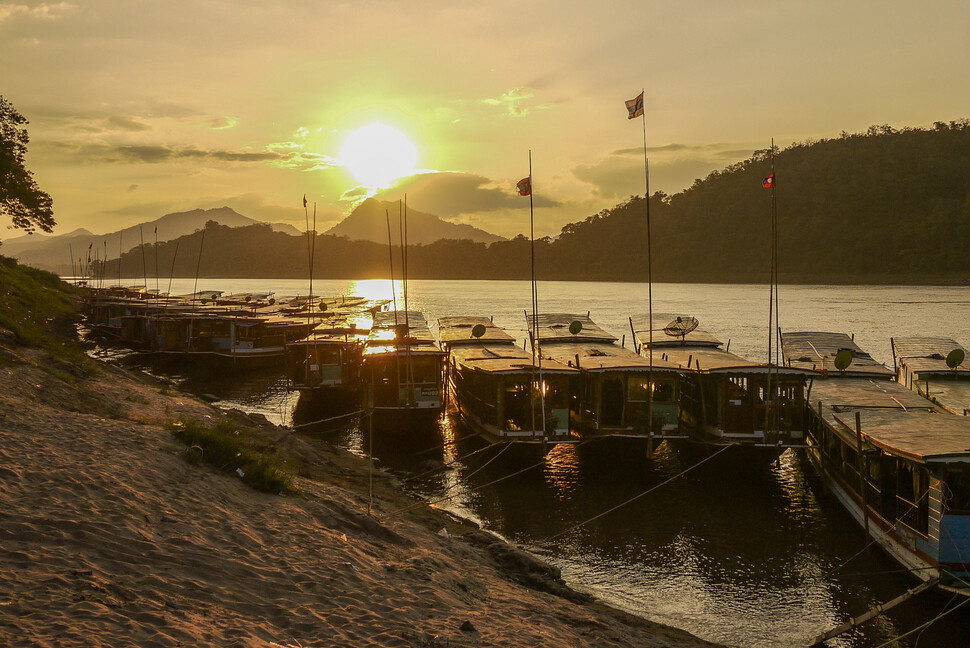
(20, 198)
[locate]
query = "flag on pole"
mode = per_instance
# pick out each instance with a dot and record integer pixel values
(304, 201)
(769, 181)
(525, 186)
(635, 106)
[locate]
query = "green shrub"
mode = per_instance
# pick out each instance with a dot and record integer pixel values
(224, 447)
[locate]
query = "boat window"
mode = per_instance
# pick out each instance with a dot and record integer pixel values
(956, 488)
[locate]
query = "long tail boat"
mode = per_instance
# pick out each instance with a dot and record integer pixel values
(726, 399)
(620, 398)
(935, 367)
(899, 464)
(403, 372)
(495, 386)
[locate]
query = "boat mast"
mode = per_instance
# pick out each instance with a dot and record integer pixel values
(772, 289)
(646, 177)
(536, 354)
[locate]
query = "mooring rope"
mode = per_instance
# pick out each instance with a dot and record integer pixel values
(432, 502)
(446, 465)
(327, 420)
(635, 497)
(925, 625)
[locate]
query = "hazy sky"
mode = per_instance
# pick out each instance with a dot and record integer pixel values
(141, 108)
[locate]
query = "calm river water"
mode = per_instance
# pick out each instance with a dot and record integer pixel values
(748, 555)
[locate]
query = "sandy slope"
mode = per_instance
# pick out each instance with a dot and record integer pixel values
(109, 537)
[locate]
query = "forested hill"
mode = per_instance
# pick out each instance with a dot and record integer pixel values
(885, 206)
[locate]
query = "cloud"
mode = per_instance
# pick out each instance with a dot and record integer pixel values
(673, 167)
(133, 187)
(221, 123)
(513, 101)
(451, 194)
(43, 11)
(126, 123)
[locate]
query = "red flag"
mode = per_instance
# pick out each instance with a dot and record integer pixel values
(635, 106)
(769, 181)
(525, 186)
(304, 201)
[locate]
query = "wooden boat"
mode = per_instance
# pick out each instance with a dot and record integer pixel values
(491, 381)
(899, 464)
(224, 340)
(403, 372)
(325, 367)
(724, 398)
(614, 388)
(924, 361)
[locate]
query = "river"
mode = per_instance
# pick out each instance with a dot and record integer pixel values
(748, 555)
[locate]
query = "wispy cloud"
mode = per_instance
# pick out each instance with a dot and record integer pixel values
(513, 100)
(43, 11)
(221, 123)
(125, 123)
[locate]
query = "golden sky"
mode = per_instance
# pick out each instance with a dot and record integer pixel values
(141, 108)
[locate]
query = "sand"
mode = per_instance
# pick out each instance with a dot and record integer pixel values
(110, 537)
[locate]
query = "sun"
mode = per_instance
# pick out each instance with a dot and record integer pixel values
(378, 154)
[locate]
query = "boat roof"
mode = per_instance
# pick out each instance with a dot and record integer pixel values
(554, 328)
(892, 418)
(816, 350)
(383, 336)
(502, 358)
(641, 332)
(458, 330)
(711, 360)
(927, 355)
(605, 356)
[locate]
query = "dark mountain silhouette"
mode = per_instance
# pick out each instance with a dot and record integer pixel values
(886, 206)
(368, 222)
(54, 252)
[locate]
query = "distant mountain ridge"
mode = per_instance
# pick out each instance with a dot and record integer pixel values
(54, 252)
(368, 222)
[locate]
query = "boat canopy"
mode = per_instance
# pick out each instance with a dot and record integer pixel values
(926, 356)
(816, 350)
(555, 327)
(458, 330)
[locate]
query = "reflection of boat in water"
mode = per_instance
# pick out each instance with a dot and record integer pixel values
(726, 399)
(616, 387)
(898, 464)
(495, 386)
(403, 372)
(924, 365)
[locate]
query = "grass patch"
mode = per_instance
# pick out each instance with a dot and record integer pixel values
(221, 445)
(36, 306)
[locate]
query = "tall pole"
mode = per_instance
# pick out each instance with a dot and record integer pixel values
(536, 351)
(172, 273)
(646, 177)
(198, 266)
(144, 263)
(120, 233)
(771, 288)
(390, 259)
(156, 261)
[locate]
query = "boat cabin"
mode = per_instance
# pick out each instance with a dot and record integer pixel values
(937, 368)
(499, 389)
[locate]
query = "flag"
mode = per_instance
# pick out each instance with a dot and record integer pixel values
(635, 106)
(304, 201)
(525, 186)
(769, 181)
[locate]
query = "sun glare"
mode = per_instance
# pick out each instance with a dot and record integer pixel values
(377, 155)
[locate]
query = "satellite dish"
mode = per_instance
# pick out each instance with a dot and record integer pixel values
(323, 306)
(954, 358)
(575, 327)
(843, 359)
(681, 326)
(478, 330)
(272, 300)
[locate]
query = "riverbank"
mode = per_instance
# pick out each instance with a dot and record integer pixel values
(111, 537)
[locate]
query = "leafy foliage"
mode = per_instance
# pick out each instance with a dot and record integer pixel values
(20, 198)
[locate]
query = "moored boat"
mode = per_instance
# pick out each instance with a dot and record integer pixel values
(899, 464)
(498, 389)
(617, 388)
(403, 373)
(936, 367)
(726, 399)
